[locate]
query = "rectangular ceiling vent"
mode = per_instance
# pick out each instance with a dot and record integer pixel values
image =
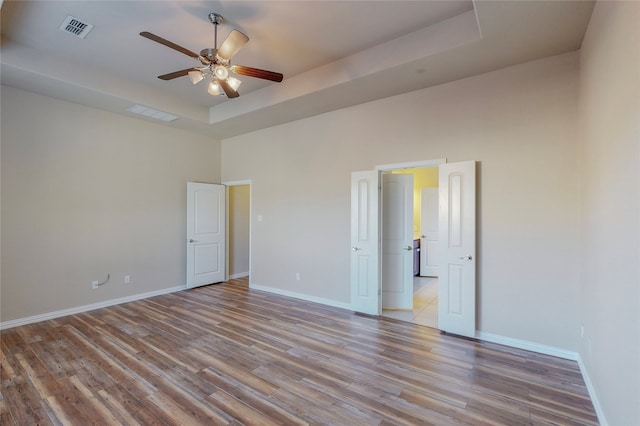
(76, 27)
(152, 113)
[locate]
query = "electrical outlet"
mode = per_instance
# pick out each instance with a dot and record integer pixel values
(298, 276)
(582, 331)
(95, 284)
(127, 279)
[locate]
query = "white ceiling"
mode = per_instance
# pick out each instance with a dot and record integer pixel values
(333, 54)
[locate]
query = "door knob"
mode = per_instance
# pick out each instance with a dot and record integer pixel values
(467, 257)
(409, 248)
(193, 241)
(355, 248)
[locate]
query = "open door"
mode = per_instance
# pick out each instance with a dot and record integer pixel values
(429, 222)
(365, 269)
(206, 234)
(457, 234)
(397, 241)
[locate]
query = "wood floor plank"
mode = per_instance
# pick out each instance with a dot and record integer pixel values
(177, 414)
(118, 409)
(323, 408)
(95, 403)
(7, 372)
(105, 364)
(226, 354)
(239, 410)
(23, 403)
(128, 406)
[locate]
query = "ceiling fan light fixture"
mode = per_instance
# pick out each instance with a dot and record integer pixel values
(214, 88)
(234, 83)
(221, 72)
(216, 62)
(195, 76)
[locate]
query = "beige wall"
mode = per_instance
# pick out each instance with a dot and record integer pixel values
(610, 121)
(86, 193)
(519, 123)
(239, 211)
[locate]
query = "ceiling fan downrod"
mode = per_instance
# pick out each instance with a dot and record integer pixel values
(210, 53)
(215, 19)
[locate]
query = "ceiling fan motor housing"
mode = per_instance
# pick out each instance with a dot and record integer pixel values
(209, 53)
(216, 18)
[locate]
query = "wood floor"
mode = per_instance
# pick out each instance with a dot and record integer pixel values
(224, 354)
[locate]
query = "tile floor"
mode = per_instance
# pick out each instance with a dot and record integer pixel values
(425, 304)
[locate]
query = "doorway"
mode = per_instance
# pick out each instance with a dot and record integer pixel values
(206, 234)
(425, 221)
(239, 229)
(457, 243)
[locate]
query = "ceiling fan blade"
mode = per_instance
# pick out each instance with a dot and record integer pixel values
(176, 74)
(255, 72)
(170, 44)
(232, 44)
(228, 89)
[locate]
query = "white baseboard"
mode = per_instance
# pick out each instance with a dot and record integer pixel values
(526, 345)
(301, 296)
(85, 308)
(592, 393)
(238, 275)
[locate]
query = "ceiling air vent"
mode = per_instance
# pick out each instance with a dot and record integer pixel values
(76, 27)
(152, 113)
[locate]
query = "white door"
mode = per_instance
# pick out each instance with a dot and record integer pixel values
(397, 241)
(206, 234)
(457, 278)
(365, 283)
(429, 232)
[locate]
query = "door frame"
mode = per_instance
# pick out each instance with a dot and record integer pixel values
(439, 163)
(410, 165)
(385, 168)
(229, 184)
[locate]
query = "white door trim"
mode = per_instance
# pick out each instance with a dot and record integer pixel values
(239, 183)
(410, 165)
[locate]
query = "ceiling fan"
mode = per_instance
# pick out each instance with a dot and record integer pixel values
(216, 63)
